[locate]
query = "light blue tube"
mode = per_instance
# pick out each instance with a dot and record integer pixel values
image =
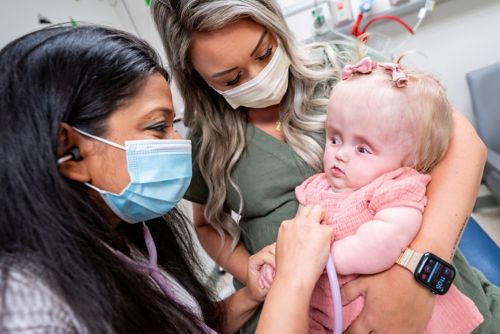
(337, 302)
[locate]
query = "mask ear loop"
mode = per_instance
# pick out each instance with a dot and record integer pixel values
(121, 147)
(74, 154)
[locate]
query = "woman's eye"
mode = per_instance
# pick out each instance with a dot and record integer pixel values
(158, 127)
(266, 54)
(234, 81)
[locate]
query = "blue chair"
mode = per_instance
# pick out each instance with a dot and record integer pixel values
(481, 251)
(484, 86)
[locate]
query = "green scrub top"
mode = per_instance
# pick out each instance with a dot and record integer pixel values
(267, 174)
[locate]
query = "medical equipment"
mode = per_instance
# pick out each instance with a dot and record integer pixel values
(301, 6)
(341, 11)
(337, 302)
(73, 154)
(320, 24)
(160, 173)
(428, 7)
(364, 7)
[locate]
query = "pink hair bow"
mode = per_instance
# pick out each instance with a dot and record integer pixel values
(365, 65)
(398, 77)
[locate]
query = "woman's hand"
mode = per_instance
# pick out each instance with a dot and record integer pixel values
(394, 303)
(301, 252)
(303, 245)
(264, 258)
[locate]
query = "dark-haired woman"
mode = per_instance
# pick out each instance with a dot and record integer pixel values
(88, 154)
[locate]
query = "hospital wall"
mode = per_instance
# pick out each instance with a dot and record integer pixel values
(20, 17)
(457, 37)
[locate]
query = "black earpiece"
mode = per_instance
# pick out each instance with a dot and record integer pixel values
(73, 154)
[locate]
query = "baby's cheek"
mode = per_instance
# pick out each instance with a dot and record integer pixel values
(328, 156)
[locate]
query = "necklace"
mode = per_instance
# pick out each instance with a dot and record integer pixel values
(278, 125)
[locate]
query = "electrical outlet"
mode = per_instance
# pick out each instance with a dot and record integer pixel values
(341, 11)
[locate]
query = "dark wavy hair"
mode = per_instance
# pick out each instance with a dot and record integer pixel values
(81, 76)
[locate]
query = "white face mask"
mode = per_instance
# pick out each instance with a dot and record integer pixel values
(266, 89)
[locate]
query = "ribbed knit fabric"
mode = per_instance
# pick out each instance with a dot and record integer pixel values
(404, 187)
(29, 305)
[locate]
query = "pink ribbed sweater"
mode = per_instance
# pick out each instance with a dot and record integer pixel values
(453, 312)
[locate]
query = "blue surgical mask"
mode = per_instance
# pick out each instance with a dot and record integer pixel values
(160, 173)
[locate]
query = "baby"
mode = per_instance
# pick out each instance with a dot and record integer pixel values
(386, 129)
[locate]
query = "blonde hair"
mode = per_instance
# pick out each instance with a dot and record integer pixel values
(427, 115)
(220, 129)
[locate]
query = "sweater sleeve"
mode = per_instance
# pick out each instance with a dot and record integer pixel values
(397, 206)
(29, 306)
(406, 189)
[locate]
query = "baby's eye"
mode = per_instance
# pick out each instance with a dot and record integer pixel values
(234, 81)
(336, 141)
(364, 150)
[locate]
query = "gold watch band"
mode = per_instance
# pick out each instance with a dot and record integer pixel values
(409, 259)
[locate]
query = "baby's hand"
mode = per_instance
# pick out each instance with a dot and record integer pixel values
(256, 286)
(266, 276)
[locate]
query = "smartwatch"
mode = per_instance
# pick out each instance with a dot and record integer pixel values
(429, 270)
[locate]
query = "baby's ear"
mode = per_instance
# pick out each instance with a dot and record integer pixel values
(73, 147)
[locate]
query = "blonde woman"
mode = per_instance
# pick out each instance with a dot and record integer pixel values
(255, 105)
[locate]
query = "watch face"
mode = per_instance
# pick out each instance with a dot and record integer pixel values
(435, 273)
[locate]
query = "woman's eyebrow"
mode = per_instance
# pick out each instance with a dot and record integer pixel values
(221, 73)
(264, 33)
(158, 111)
